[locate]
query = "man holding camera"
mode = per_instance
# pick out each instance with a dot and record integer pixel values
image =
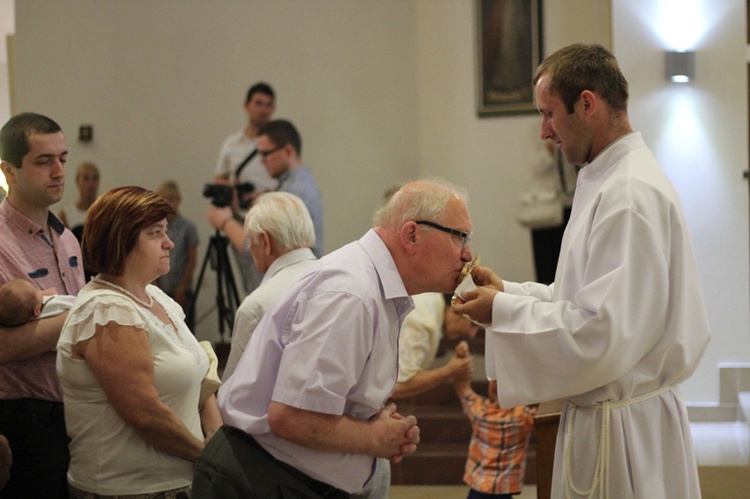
(279, 146)
(240, 165)
(280, 149)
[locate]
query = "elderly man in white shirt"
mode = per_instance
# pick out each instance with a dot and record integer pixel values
(280, 233)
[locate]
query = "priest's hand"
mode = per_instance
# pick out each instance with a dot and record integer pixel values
(456, 326)
(477, 304)
(484, 276)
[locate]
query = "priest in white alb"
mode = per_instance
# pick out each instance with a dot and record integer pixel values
(624, 323)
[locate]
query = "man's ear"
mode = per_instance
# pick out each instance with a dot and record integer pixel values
(266, 240)
(409, 237)
(588, 102)
(8, 170)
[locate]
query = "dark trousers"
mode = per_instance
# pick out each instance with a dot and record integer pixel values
(35, 430)
(473, 494)
(234, 466)
(181, 493)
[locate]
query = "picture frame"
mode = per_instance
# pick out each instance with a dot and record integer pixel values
(509, 49)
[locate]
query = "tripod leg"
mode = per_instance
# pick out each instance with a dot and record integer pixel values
(206, 259)
(217, 255)
(231, 285)
(226, 286)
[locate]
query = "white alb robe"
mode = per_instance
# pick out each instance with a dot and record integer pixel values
(624, 318)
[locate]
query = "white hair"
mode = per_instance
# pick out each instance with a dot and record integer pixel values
(284, 217)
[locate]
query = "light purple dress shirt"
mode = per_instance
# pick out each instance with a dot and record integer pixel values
(328, 345)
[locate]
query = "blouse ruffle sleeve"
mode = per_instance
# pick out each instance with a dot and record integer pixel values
(97, 309)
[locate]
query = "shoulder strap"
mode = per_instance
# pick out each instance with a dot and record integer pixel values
(242, 165)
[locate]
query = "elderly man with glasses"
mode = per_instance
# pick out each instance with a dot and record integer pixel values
(305, 409)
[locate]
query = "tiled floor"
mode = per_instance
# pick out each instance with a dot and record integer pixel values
(716, 444)
(444, 492)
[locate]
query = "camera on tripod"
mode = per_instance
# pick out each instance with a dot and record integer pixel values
(221, 194)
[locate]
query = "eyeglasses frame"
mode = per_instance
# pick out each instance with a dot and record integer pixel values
(265, 154)
(466, 236)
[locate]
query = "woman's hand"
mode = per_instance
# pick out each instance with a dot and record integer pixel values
(210, 418)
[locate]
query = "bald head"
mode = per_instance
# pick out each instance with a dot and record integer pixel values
(418, 200)
(425, 225)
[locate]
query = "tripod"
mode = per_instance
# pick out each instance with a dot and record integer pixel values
(226, 288)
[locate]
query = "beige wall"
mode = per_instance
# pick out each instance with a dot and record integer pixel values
(699, 134)
(381, 91)
(490, 156)
(163, 83)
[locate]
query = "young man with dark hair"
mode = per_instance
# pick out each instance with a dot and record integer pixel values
(36, 246)
(239, 164)
(624, 323)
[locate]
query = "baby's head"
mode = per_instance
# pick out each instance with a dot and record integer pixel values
(20, 302)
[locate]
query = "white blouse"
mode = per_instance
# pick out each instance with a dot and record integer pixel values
(107, 456)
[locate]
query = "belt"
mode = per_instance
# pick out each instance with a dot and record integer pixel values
(601, 468)
(32, 406)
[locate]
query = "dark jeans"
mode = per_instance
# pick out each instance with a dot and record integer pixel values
(35, 430)
(234, 466)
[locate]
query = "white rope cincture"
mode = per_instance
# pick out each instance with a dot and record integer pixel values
(600, 480)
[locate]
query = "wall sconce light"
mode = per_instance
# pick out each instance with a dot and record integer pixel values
(680, 66)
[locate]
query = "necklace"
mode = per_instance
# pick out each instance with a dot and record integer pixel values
(112, 285)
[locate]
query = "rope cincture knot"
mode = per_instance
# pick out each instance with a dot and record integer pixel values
(600, 481)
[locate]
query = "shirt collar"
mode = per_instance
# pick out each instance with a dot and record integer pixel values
(55, 223)
(611, 154)
(26, 224)
(393, 285)
(289, 258)
(290, 173)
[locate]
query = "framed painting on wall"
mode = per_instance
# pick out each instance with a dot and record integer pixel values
(509, 49)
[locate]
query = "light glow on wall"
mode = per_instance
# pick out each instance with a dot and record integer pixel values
(681, 23)
(679, 133)
(685, 147)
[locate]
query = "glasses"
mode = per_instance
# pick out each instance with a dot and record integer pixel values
(264, 154)
(465, 236)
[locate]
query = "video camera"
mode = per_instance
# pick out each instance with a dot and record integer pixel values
(221, 194)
